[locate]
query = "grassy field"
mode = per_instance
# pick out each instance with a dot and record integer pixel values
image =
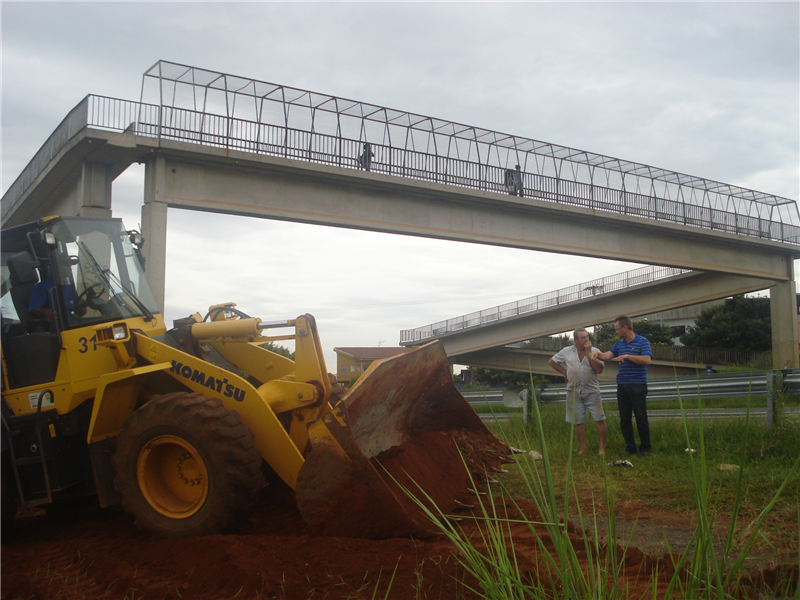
(768, 456)
(731, 516)
(610, 404)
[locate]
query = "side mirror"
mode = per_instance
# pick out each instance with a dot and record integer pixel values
(137, 241)
(136, 238)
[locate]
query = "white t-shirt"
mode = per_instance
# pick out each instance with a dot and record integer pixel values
(580, 374)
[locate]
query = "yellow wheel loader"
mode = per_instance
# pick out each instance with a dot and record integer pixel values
(100, 399)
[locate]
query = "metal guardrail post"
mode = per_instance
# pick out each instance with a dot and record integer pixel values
(528, 398)
(771, 377)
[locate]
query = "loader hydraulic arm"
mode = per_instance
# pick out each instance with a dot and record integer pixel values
(258, 384)
(235, 338)
(305, 391)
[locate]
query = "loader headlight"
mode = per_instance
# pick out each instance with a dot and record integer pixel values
(117, 338)
(120, 331)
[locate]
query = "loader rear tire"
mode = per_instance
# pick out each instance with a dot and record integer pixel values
(187, 466)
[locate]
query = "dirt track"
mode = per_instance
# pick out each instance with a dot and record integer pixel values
(90, 554)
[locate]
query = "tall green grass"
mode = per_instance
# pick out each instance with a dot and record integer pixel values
(769, 475)
(687, 404)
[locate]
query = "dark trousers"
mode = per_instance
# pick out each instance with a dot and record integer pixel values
(632, 400)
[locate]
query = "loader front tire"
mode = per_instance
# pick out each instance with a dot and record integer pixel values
(187, 466)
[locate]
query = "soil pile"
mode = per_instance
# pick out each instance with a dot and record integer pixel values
(94, 554)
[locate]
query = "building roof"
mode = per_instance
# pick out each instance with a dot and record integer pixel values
(373, 353)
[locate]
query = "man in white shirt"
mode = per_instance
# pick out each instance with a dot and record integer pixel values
(583, 389)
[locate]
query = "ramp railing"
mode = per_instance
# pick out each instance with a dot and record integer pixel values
(573, 293)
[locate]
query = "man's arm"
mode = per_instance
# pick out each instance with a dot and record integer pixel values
(601, 355)
(37, 302)
(637, 359)
(597, 365)
(642, 346)
(559, 368)
(74, 304)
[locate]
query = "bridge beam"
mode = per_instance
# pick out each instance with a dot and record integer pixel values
(277, 188)
(84, 191)
(154, 228)
(536, 361)
(73, 177)
(784, 318)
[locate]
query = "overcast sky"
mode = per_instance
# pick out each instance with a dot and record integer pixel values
(708, 89)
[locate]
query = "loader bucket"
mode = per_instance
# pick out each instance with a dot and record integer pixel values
(405, 424)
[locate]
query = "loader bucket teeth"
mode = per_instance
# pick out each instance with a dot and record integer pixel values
(402, 425)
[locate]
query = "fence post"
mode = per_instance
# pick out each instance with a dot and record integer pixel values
(528, 396)
(770, 399)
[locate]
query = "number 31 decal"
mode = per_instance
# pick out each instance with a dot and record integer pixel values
(85, 344)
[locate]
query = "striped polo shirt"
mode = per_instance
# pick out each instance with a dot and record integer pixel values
(629, 372)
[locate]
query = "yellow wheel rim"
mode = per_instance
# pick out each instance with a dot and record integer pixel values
(172, 477)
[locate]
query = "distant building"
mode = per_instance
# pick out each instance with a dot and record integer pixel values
(351, 362)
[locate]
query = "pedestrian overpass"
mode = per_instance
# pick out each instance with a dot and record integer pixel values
(221, 143)
(491, 337)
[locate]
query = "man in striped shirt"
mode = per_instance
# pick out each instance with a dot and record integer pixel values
(633, 354)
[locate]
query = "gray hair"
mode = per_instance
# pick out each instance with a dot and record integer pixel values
(577, 331)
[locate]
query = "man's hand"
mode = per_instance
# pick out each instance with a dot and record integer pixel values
(636, 359)
(40, 311)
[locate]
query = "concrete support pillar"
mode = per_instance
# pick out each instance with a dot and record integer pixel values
(154, 228)
(783, 309)
(94, 190)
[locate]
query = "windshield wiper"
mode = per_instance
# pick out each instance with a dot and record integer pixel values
(110, 276)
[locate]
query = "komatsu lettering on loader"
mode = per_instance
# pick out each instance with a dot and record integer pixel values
(180, 426)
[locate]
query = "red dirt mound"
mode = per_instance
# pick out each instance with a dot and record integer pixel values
(97, 554)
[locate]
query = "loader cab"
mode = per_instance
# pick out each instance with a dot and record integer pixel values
(60, 274)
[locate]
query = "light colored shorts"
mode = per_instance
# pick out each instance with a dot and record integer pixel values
(584, 401)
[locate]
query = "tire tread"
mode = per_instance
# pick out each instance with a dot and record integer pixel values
(220, 436)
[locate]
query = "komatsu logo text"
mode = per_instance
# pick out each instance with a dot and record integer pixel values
(221, 386)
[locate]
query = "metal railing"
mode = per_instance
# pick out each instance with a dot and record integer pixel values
(248, 136)
(215, 109)
(573, 293)
(717, 385)
(677, 354)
